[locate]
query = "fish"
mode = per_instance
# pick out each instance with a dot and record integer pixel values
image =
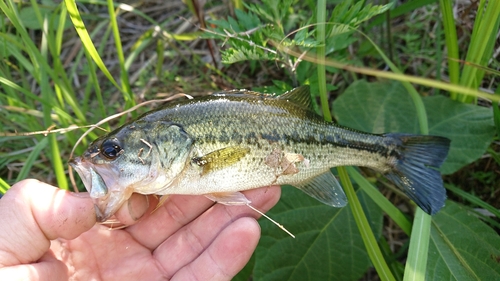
(221, 144)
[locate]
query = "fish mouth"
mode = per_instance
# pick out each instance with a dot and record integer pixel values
(95, 186)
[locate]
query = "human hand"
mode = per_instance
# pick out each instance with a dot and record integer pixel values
(50, 234)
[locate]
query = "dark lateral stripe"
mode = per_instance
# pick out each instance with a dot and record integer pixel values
(337, 141)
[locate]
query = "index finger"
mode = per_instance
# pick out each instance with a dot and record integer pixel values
(180, 210)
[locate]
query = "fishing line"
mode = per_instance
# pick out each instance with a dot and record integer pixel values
(277, 224)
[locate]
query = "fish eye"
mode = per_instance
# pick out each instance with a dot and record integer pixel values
(111, 148)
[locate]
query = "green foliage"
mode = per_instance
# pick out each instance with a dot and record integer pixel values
(385, 107)
(462, 247)
(482, 43)
(327, 241)
(248, 35)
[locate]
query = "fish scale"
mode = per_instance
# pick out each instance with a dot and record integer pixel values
(232, 141)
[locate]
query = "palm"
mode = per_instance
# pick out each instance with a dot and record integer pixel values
(187, 238)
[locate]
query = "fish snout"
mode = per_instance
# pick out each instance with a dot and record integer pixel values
(96, 188)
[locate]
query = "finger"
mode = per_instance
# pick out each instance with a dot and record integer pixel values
(186, 245)
(177, 211)
(135, 207)
(227, 255)
(48, 269)
(33, 213)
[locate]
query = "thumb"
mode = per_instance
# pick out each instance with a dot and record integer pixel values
(33, 213)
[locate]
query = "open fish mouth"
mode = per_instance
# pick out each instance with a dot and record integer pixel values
(96, 187)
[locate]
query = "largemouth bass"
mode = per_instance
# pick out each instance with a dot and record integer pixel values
(232, 141)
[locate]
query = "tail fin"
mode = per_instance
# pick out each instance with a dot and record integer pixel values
(415, 169)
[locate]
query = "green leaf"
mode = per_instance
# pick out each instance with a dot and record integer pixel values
(354, 15)
(470, 128)
(496, 114)
(247, 20)
(28, 17)
(376, 107)
(327, 243)
(462, 247)
(386, 107)
(241, 54)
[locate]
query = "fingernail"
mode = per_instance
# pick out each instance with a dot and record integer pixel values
(137, 206)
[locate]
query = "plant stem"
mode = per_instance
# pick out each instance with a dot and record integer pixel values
(450, 33)
(361, 221)
(364, 227)
(321, 18)
(419, 246)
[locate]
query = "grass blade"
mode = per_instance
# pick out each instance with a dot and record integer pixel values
(420, 235)
(451, 42)
(3, 186)
(86, 40)
(419, 247)
(480, 50)
(364, 227)
(394, 213)
(321, 18)
(48, 94)
(32, 158)
(361, 221)
(473, 199)
(127, 92)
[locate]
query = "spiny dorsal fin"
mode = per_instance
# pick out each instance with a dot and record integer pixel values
(300, 96)
(326, 189)
(220, 158)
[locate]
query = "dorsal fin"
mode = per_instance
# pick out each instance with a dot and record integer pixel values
(300, 96)
(243, 94)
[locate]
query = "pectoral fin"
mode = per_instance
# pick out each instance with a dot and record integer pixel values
(326, 189)
(221, 158)
(229, 198)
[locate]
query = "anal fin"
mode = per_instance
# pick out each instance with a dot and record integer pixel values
(324, 188)
(229, 198)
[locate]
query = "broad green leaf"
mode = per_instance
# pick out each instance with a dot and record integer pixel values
(376, 108)
(28, 17)
(462, 247)
(327, 243)
(470, 128)
(386, 107)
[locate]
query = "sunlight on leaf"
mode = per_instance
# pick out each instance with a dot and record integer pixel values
(462, 247)
(385, 107)
(327, 243)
